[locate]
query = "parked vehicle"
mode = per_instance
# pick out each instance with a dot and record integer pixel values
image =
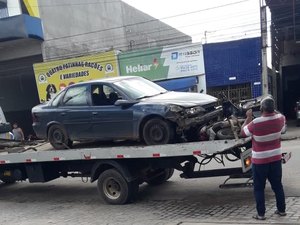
(122, 108)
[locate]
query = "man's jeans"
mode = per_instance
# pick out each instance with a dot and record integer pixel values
(272, 172)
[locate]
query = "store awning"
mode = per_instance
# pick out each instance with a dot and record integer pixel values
(20, 27)
(180, 84)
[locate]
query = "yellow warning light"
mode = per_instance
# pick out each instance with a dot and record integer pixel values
(248, 161)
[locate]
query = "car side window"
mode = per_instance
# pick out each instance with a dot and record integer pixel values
(76, 96)
(104, 95)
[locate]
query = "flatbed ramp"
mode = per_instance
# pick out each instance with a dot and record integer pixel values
(38, 154)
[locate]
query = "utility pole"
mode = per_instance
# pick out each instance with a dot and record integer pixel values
(264, 45)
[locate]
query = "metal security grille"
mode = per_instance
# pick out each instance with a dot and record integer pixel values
(233, 92)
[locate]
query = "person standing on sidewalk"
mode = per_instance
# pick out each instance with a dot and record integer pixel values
(266, 155)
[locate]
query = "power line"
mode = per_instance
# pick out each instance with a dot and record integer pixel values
(121, 37)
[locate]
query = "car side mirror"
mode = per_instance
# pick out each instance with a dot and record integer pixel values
(123, 102)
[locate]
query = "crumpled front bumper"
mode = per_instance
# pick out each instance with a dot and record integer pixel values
(185, 123)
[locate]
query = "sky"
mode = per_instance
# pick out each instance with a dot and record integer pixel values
(206, 20)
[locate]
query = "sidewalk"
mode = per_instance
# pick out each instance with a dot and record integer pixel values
(293, 132)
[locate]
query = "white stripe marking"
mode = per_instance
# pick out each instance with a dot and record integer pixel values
(266, 154)
(269, 137)
(247, 132)
(266, 118)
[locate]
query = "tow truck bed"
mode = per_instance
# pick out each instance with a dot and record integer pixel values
(121, 167)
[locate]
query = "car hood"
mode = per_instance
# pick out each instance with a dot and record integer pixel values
(184, 99)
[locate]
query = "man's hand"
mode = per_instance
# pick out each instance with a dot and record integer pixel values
(249, 113)
(247, 120)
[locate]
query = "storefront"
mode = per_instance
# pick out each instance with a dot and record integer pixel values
(179, 68)
(51, 77)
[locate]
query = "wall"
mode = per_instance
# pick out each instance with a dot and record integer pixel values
(234, 62)
(18, 91)
(291, 54)
(19, 49)
(80, 27)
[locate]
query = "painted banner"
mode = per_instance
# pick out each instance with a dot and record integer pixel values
(163, 62)
(54, 76)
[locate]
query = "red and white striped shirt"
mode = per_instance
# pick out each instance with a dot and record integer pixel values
(266, 134)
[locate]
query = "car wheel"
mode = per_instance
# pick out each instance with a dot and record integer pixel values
(58, 137)
(114, 189)
(225, 133)
(157, 131)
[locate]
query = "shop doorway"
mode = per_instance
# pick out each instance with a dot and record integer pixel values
(290, 89)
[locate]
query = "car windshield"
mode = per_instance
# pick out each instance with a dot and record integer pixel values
(137, 88)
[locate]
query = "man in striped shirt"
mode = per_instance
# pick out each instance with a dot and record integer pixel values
(266, 155)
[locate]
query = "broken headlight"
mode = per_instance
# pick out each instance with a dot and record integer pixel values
(175, 108)
(194, 110)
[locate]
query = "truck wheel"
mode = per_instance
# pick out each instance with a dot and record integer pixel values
(114, 189)
(8, 180)
(161, 176)
(58, 137)
(171, 172)
(157, 131)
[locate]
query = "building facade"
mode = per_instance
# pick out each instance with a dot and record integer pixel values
(81, 27)
(234, 68)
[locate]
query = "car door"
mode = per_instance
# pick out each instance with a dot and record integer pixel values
(74, 112)
(110, 121)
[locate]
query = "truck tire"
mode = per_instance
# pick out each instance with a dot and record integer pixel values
(157, 131)
(114, 189)
(160, 176)
(58, 137)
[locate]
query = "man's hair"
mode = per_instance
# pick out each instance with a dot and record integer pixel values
(268, 105)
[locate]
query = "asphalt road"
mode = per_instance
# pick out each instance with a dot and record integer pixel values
(70, 201)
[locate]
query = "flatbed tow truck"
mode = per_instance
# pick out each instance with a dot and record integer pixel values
(119, 170)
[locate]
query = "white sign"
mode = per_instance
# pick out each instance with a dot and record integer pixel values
(185, 60)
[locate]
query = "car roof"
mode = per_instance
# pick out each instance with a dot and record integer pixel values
(107, 80)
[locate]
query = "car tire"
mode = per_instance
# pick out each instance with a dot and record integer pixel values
(58, 137)
(225, 133)
(114, 189)
(157, 131)
(160, 176)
